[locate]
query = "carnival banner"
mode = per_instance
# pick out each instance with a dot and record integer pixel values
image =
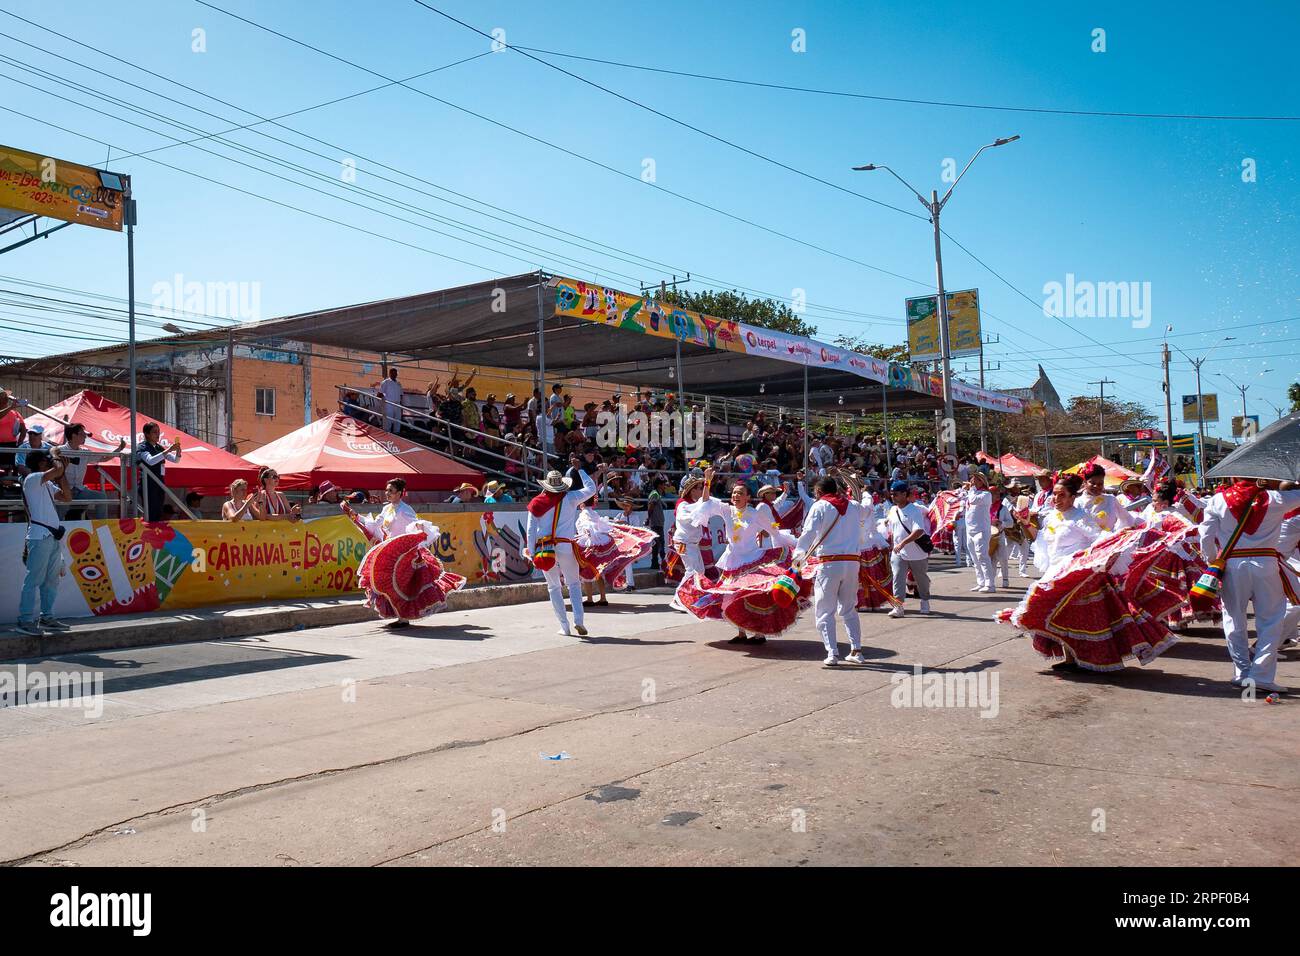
(127, 566)
(31, 183)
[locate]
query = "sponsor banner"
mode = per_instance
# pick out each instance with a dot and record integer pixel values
(45, 186)
(648, 316)
(931, 383)
(963, 325)
(1209, 408)
(123, 567)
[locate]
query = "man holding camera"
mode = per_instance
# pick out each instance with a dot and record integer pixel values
(43, 555)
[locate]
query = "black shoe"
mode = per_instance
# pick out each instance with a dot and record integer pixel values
(1066, 667)
(739, 639)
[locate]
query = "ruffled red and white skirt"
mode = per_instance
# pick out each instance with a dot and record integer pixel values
(402, 578)
(746, 596)
(875, 580)
(1162, 571)
(627, 545)
(1086, 611)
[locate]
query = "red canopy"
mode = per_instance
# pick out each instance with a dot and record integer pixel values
(203, 467)
(1115, 473)
(1013, 466)
(353, 454)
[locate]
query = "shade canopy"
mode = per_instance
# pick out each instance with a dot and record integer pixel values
(1115, 473)
(496, 324)
(1013, 466)
(1274, 453)
(203, 467)
(353, 454)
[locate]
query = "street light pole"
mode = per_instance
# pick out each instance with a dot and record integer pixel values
(934, 206)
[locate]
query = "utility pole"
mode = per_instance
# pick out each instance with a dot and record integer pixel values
(985, 340)
(1101, 411)
(1169, 406)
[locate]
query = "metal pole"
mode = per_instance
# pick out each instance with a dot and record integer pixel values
(1200, 423)
(542, 423)
(681, 405)
(944, 344)
(984, 444)
(805, 416)
(1047, 438)
(884, 404)
(1169, 413)
(230, 392)
(130, 357)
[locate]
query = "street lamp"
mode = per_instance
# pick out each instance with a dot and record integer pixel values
(934, 206)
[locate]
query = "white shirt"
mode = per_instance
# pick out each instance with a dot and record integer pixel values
(1219, 523)
(1062, 534)
(1106, 510)
(1005, 520)
(391, 389)
(390, 521)
(749, 534)
(593, 528)
(78, 460)
(837, 534)
(977, 510)
(566, 526)
(691, 517)
(902, 522)
(39, 496)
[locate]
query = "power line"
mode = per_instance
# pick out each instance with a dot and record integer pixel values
(909, 100)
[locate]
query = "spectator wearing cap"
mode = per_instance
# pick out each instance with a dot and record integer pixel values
(35, 441)
(908, 522)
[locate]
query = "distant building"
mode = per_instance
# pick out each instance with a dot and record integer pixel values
(1042, 390)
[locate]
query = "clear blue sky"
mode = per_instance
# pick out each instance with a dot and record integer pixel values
(1106, 199)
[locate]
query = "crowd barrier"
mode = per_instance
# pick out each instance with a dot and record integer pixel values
(128, 566)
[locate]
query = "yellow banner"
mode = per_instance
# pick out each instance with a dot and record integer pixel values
(923, 343)
(45, 186)
(646, 315)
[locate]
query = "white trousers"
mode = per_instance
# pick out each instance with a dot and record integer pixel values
(1002, 559)
(564, 573)
(835, 591)
(1246, 580)
(977, 546)
(959, 543)
(692, 563)
(1021, 550)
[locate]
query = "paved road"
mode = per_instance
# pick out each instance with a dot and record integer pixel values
(352, 745)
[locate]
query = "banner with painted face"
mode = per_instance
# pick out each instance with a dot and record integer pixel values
(122, 567)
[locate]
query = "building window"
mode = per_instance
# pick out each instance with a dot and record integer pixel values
(266, 401)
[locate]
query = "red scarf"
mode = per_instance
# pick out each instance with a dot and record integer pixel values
(840, 503)
(1239, 497)
(544, 502)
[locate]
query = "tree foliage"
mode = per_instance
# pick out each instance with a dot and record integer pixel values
(738, 307)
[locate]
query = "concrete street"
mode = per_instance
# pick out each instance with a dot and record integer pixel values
(354, 745)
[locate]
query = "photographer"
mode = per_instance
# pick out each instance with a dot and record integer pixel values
(43, 555)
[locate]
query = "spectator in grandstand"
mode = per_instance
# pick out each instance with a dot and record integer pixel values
(270, 504)
(153, 458)
(78, 458)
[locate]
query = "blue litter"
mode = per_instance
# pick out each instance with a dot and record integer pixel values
(562, 755)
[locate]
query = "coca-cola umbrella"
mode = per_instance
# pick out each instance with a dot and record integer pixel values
(1273, 453)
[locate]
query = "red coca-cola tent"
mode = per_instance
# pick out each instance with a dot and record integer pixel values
(1012, 466)
(203, 467)
(353, 454)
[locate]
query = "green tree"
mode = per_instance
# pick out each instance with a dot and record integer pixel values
(1293, 393)
(738, 307)
(859, 343)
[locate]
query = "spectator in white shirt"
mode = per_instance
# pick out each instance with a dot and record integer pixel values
(391, 390)
(908, 521)
(78, 458)
(43, 553)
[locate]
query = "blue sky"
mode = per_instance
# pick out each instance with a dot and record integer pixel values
(1106, 199)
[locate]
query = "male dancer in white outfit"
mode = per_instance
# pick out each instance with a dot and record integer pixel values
(1005, 521)
(977, 511)
(907, 521)
(542, 517)
(831, 533)
(690, 521)
(1255, 572)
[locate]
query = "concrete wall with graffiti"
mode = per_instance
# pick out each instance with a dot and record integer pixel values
(122, 567)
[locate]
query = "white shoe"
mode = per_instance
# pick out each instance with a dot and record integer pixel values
(977, 588)
(925, 607)
(896, 612)
(677, 605)
(855, 657)
(989, 590)
(831, 661)
(564, 632)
